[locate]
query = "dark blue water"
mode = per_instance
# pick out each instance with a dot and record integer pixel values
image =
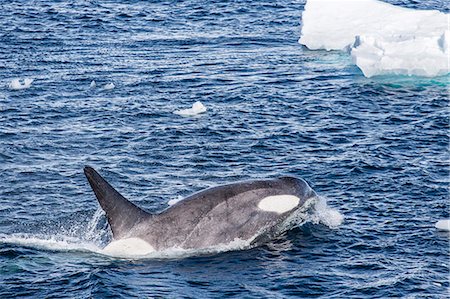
(376, 148)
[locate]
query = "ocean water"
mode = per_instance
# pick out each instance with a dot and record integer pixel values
(376, 149)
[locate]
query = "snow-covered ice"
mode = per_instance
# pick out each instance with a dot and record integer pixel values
(18, 84)
(382, 38)
(197, 108)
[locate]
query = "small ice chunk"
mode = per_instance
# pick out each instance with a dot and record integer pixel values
(18, 84)
(382, 38)
(109, 86)
(197, 108)
(93, 84)
(443, 225)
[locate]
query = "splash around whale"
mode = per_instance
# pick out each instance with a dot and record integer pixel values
(249, 212)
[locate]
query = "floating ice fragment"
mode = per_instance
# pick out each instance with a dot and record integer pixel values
(443, 225)
(382, 38)
(109, 86)
(197, 108)
(18, 84)
(93, 84)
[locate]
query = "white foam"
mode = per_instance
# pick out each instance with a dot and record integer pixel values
(93, 84)
(279, 203)
(18, 84)
(196, 109)
(56, 243)
(83, 237)
(324, 214)
(443, 225)
(382, 38)
(132, 248)
(92, 232)
(109, 86)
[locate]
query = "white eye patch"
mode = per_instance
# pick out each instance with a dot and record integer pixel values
(278, 203)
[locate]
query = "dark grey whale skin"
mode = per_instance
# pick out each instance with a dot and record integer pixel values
(208, 218)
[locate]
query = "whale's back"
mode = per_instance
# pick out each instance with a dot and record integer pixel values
(218, 215)
(222, 214)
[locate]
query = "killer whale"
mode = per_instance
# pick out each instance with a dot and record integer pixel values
(249, 210)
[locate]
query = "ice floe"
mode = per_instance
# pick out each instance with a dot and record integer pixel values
(443, 225)
(18, 84)
(197, 108)
(382, 38)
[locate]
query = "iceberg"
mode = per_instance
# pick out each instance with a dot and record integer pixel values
(381, 38)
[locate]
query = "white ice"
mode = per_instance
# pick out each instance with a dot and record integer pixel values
(443, 225)
(109, 86)
(18, 84)
(382, 38)
(197, 108)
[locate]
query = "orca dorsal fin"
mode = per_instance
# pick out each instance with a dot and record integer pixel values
(121, 213)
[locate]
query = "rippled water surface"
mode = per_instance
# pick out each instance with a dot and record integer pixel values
(376, 148)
